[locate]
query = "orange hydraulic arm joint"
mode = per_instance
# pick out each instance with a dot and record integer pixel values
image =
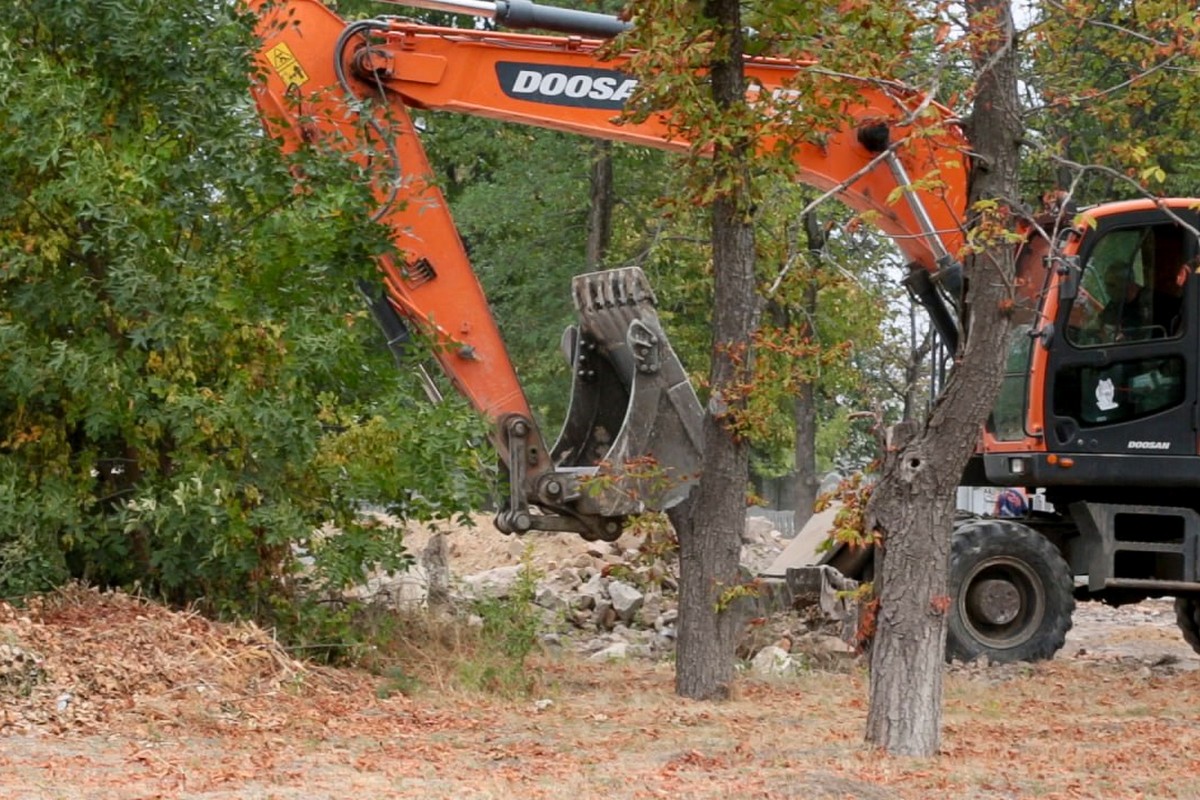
(632, 440)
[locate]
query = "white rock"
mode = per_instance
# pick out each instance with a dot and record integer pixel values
(402, 591)
(667, 618)
(493, 583)
(568, 577)
(757, 530)
(594, 589)
(772, 662)
(618, 651)
(648, 614)
(626, 599)
(549, 597)
(605, 616)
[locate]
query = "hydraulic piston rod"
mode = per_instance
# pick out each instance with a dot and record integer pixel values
(524, 14)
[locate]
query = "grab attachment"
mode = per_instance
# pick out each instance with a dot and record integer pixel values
(632, 439)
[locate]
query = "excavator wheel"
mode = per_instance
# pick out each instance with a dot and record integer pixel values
(1187, 614)
(1011, 594)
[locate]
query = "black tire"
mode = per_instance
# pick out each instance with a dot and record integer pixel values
(1011, 594)
(1187, 615)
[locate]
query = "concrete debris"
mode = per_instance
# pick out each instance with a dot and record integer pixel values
(494, 584)
(549, 597)
(758, 531)
(617, 651)
(605, 616)
(772, 662)
(402, 591)
(594, 591)
(626, 600)
(607, 600)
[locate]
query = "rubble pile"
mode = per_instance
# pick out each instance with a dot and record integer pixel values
(604, 600)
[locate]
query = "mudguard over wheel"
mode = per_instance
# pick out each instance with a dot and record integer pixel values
(1011, 592)
(1187, 614)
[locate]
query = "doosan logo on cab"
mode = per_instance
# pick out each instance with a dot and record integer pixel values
(556, 84)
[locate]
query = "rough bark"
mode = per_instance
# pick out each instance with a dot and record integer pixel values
(710, 537)
(913, 505)
(435, 558)
(804, 408)
(600, 208)
(919, 349)
(804, 481)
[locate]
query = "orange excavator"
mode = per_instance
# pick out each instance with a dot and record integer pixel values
(1099, 411)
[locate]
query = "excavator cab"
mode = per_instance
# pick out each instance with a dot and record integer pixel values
(1117, 377)
(1099, 414)
(1102, 363)
(1097, 418)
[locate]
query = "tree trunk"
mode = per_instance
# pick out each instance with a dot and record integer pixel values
(805, 404)
(804, 480)
(920, 351)
(912, 507)
(599, 220)
(710, 615)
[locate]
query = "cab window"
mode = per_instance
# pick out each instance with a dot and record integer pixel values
(1132, 288)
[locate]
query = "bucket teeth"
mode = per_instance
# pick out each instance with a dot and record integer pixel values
(602, 291)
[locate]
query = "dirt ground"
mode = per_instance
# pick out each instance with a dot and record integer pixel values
(135, 701)
(615, 733)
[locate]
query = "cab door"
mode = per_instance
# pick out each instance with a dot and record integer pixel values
(1122, 371)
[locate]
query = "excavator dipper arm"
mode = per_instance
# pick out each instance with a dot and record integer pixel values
(353, 86)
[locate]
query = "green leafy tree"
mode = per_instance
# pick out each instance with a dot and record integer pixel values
(1111, 90)
(186, 388)
(829, 294)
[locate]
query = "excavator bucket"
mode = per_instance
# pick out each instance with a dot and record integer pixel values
(633, 429)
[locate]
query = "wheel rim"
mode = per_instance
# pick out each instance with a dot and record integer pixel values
(1002, 602)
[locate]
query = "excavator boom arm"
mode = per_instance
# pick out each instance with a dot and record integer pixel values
(353, 85)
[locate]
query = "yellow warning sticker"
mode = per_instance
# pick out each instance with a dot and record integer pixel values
(284, 62)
